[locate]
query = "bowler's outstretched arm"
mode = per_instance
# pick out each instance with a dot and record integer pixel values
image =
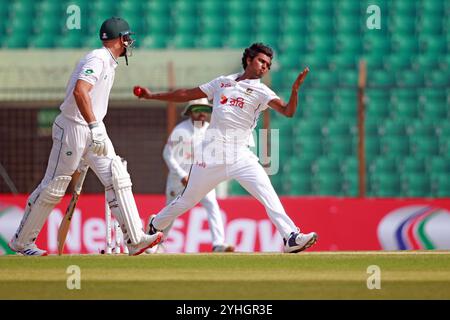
(179, 95)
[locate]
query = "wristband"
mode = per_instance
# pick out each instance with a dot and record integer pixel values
(93, 124)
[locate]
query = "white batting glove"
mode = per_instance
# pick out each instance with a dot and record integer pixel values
(82, 166)
(99, 138)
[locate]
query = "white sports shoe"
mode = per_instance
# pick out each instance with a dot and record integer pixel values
(147, 242)
(159, 248)
(28, 250)
(299, 241)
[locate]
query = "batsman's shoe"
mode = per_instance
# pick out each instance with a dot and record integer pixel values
(299, 241)
(28, 250)
(223, 248)
(147, 242)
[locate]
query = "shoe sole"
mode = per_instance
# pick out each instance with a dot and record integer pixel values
(307, 245)
(151, 245)
(33, 255)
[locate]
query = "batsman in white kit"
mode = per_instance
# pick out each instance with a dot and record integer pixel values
(238, 100)
(178, 154)
(78, 132)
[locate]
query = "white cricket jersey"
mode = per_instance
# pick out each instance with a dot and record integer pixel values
(98, 69)
(236, 106)
(179, 149)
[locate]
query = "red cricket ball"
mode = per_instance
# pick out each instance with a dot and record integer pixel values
(138, 92)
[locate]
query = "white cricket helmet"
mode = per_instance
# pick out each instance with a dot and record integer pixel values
(203, 102)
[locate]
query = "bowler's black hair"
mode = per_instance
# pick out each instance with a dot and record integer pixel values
(253, 51)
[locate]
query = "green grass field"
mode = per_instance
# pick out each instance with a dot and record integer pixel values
(333, 275)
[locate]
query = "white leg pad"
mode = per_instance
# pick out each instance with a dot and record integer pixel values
(39, 205)
(123, 206)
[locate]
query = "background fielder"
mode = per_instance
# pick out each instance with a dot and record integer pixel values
(238, 101)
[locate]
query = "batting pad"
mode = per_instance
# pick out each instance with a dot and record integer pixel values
(124, 207)
(39, 207)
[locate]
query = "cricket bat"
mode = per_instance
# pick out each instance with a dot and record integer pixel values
(65, 223)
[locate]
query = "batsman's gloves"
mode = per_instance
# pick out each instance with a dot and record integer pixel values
(99, 139)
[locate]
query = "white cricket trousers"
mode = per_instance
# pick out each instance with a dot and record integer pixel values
(248, 172)
(209, 202)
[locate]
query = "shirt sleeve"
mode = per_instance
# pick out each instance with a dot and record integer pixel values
(169, 158)
(210, 87)
(269, 95)
(91, 70)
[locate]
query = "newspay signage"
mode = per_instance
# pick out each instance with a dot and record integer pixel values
(389, 224)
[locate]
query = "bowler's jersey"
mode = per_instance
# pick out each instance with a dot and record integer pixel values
(180, 147)
(98, 69)
(236, 107)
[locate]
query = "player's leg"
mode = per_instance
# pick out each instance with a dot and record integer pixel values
(251, 175)
(173, 189)
(64, 158)
(215, 221)
(201, 181)
(117, 182)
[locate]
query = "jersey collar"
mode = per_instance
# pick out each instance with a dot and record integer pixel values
(114, 61)
(249, 81)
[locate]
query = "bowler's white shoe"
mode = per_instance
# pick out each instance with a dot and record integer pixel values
(159, 248)
(299, 241)
(28, 250)
(147, 242)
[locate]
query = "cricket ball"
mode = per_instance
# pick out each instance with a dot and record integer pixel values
(138, 92)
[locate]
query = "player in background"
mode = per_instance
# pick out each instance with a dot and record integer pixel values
(238, 100)
(179, 154)
(78, 132)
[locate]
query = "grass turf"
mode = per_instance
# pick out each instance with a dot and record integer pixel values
(266, 276)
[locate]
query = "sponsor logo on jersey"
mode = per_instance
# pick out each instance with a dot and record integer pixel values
(69, 153)
(249, 91)
(237, 102)
(225, 85)
(89, 71)
(223, 99)
(234, 102)
(415, 227)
